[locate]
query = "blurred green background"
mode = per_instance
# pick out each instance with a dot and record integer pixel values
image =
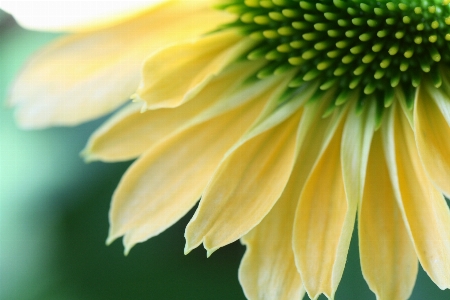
(54, 220)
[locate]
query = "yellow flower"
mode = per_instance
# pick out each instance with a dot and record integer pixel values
(287, 118)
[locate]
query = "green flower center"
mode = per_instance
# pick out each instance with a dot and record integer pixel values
(368, 46)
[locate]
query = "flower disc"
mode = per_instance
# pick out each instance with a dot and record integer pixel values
(368, 46)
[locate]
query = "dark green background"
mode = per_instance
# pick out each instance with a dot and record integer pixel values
(53, 221)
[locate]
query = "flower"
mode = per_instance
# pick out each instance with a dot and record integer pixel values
(287, 118)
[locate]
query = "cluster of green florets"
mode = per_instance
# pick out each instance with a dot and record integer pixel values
(370, 46)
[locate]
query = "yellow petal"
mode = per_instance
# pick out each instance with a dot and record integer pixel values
(168, 180)
(282, 281)
(323, 225)
(424, 209)
(432, 134)
(314, 135)
(176, 73)
(388, 260)
(356, 140)
(267, 271)
(129, 133)
(274, 113)
(83, 76)
(74, 15)
(244, 188)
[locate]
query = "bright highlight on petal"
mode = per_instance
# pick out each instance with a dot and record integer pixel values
(284, 119)
(111, 59)
(74, 15)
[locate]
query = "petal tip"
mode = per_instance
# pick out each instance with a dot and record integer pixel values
(87, 156)
(110, 240)
(209, 252)
(187, 249)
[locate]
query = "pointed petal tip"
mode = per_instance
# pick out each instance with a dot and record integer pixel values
(189, 246)
(110, 240)
(87, 156)
(127, 250)
(128, 244)
(210, 251)
(112, 236)
(187, 249)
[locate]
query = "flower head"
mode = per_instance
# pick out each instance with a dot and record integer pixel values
(287, 118)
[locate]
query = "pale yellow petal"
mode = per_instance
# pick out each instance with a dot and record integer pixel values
(83, 76)
(267, 271)
(74, 15)
(323, 225)
(432, 134)
(129, 133)
(314, 135)
(160, 187)
(283, 281)
(388, 260)
(274, 113)
(176, 73)
(356, 140)
(424, 209)
(244, 188)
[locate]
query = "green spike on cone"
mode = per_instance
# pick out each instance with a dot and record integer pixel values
(372, 46)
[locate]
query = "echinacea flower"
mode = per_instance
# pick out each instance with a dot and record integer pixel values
(287, 118)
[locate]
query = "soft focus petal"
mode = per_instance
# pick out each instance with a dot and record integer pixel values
(388, 260)
(176, 73)
(129, 133)
(244, 188)
(267, 271)
(323, 225)
(74, 15)
(432, 134)
(167, 181)
(83, 76)
(424, 209)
